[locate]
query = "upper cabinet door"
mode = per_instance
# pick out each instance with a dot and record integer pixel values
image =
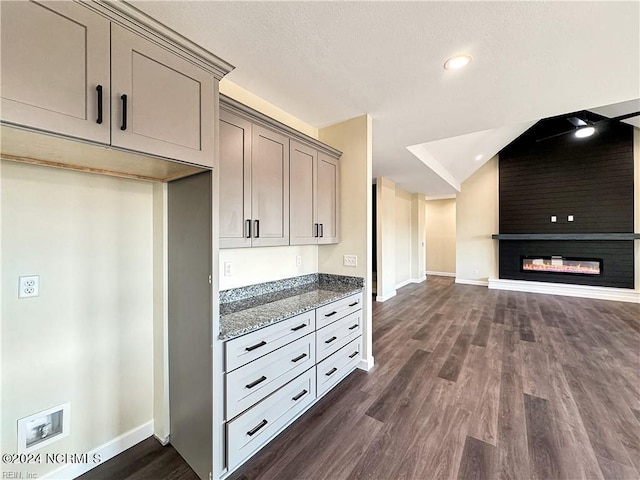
(303, 224)
(162, 104)
(55, 55)
(235, 181)
(328, 188)
(270, 187)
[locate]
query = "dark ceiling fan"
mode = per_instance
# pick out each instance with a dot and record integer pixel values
(586, 128)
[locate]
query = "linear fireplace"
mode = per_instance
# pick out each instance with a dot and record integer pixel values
(563, 265)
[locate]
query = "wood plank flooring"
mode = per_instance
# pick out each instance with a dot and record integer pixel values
(471, 383)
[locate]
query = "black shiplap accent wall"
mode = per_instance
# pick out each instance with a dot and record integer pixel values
(591, 179)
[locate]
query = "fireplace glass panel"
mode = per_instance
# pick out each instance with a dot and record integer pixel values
(558, 264)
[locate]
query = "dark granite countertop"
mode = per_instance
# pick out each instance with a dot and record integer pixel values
(245, 309)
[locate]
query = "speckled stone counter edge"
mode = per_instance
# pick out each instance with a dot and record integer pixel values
(305, 293)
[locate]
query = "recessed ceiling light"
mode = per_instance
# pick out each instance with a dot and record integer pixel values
(457, 61)
(585, 132)
(478, 157)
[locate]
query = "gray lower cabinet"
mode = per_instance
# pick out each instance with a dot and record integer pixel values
(69, 70)
(277, 186)
(275, 374)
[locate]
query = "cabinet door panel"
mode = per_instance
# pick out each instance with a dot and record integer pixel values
(303, 162)
(235, 180)
(169, 101)
(270, 187)
(328, 199)
(54, 55)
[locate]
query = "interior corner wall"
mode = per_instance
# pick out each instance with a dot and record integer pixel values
(354, 138)
(441, 237)
(403, 238)
(87, 338)
(386, 238)
(636, 183)
(418, 237)
(476, 221)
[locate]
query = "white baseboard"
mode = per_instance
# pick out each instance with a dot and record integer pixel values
(583, 291)
(163, 440)
(366, 364)
(480, 283)
(104, 452)
(403, 284)
(419, 280)
(441, 274)
(384, 298)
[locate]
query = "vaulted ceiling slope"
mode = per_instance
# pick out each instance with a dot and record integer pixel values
(325, 62)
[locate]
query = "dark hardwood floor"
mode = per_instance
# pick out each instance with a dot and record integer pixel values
(469, 383)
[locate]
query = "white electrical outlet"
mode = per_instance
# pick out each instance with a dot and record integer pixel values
(228, 269)
(350, 260)
(298, 260)
(29, 286)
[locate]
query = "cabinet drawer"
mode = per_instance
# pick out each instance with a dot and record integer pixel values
(334, 311)
(338, 334)
(247, 348)
(248, 385)
(257, 426)
(334, 368)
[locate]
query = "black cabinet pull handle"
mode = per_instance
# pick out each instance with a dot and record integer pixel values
(256, 229)
(257, 345)
(322, 229)
(299, 396)
(353, 304)
(297, 359)
(330, 313)
(247, 228)
(331, 340)
(124, 112)
(353, 354)
(315, 230)
(331, 372)
(257, 382)
(298, 327)
(99, 90)
(255, 429)
(354, 326)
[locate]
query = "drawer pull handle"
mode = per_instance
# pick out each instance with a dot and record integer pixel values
(247, 228)
(257, 345)
(354, 326)
(255, 429)
(331, 372)
(330, 313)
(299, 396)
(297, 359)
(353, 304)
(298, 327)
(353, 354)
(331, 340)
(258, 381)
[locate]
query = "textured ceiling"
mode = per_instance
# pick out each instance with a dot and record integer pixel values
(325, 62)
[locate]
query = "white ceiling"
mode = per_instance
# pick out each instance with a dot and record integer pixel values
(325, 62)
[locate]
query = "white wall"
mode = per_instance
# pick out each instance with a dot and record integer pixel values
(418, 237)
(403, 237)
(476, 221)
(441, 236)
(354, 139)
(87, 339)
(386, 239)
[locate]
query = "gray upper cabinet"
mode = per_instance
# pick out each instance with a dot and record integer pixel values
(303, 211)
(169, 101)
(277, 186)
(69, 70)
(55, 61)
(314, 196)
(235, 181)
(328, 188)
(269, 187)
